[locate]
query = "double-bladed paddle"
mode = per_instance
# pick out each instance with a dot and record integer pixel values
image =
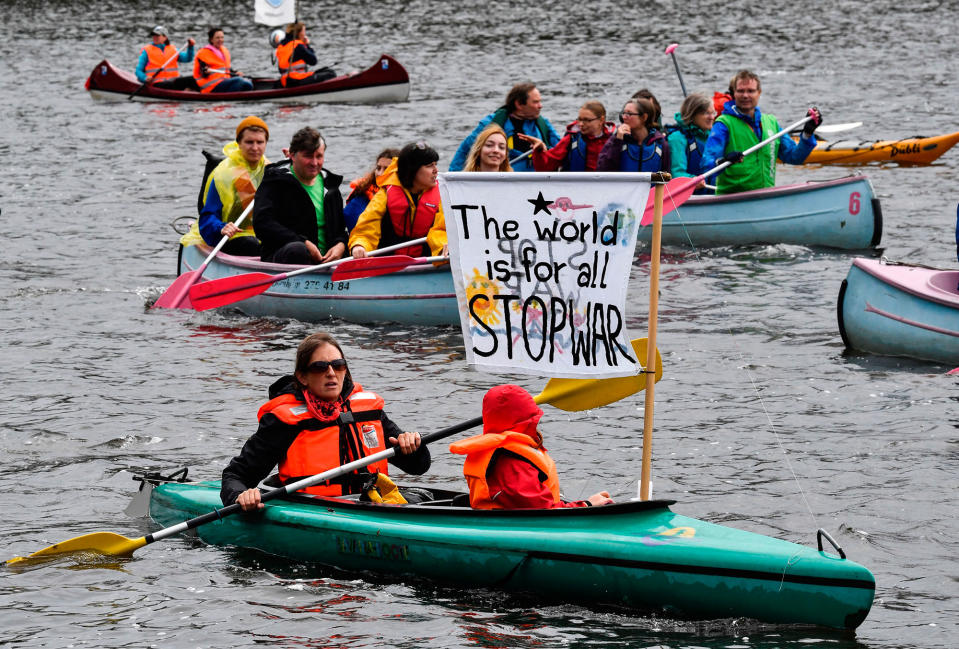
(680, 189)
(229, 290)
(566, 394)
(178, 295)
(372, 266)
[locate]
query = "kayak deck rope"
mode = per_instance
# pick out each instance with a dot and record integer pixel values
(745, 366)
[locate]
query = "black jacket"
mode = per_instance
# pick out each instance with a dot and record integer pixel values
(283, 212)
(268, 446)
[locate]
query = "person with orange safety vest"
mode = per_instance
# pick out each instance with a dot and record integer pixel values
(507, 466)
(158, 62)
(316, 420)
(407, 207)
(294, 56)
(211, 69)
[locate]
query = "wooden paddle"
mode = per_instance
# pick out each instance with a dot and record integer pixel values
(372, 266)
(680, 189)
(566, 394)
(229, 290)
(143, 85)
(178, 295)
(671, 50)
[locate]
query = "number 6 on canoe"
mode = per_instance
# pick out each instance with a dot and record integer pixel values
(566, 394)
(177, 296)
(229, 290)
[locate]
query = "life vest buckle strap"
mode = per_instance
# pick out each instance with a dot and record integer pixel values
(346, 417)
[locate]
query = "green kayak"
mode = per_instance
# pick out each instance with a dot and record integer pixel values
(636, 554)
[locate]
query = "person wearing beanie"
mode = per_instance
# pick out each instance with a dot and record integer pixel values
(298, 215)
(229, 188)
(407, 207)
(507, 466)
(158, 66)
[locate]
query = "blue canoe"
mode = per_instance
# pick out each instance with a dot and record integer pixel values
(635, 554)
(898, 309)
(421, 295)
(842, 213)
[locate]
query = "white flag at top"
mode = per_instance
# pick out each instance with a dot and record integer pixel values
(541, 264)
(274, 12)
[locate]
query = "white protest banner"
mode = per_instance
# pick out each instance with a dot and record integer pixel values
(274, 12)
(541, 264)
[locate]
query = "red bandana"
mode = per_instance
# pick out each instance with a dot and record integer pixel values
(322, 409)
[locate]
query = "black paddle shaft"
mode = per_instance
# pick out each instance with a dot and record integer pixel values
(229, 510)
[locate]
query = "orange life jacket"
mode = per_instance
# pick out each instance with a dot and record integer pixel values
(155, 61)
(405, 221)
(217, 69)
(319, 446)
(479, 451)
(290, 69)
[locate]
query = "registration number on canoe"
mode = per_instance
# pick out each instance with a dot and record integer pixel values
(325, 284)
(373, 548)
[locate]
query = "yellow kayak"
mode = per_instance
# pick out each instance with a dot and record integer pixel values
(911, 151)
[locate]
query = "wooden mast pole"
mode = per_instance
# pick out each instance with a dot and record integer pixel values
(645, 479)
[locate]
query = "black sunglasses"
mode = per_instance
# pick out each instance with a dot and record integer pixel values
(321, 366)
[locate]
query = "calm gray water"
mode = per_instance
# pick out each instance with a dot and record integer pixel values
(763, 422)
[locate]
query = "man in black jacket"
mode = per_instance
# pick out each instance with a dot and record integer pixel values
(298, 212)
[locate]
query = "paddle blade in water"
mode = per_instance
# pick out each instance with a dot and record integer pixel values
(229, 290)
(573, 395)
(99, 542)
(677, 191)
(178, 295)
(370, 266)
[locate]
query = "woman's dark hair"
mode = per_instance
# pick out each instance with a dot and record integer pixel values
(306, 139)
(213, 30)
(644, 93)
(413, 156)
(369, 179)
(309, 345)
(645, 109)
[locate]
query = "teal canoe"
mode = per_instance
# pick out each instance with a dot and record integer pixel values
(636, 554)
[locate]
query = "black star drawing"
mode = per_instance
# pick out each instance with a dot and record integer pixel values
(540, 203)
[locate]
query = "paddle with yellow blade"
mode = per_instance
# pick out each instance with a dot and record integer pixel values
(566, 394)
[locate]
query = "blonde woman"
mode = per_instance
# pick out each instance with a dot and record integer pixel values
(489, 152)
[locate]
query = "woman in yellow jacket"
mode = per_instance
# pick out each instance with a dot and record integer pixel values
(407, 207)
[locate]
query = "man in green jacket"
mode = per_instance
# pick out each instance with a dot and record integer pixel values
(743, 125)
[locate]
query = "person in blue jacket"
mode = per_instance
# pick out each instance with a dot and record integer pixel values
(160, 51)
(741, 125)
(520, 114)
(687, 138)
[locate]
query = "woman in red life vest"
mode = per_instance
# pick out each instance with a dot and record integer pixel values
(579, 148)
(507, 467)
(407, 207)
(294, 56)
(490, 151)
(316, 420)
(212, 70)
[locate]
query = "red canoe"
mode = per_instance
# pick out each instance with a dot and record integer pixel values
(383, 82)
